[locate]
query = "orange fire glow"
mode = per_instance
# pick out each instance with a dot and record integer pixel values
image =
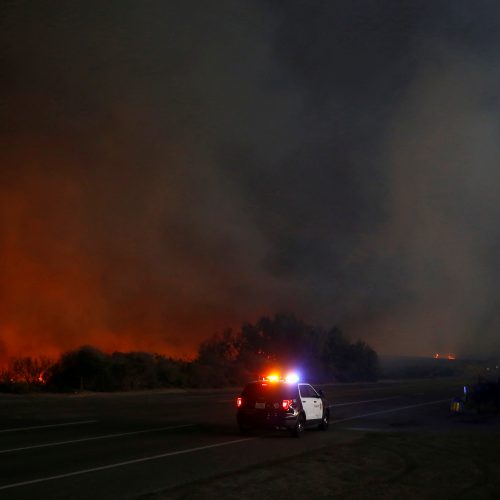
(446, 356)
(68, 279)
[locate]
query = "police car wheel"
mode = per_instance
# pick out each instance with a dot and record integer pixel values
(299, 427)
(325, 421)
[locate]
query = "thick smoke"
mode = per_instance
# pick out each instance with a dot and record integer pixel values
(171, 170)
(442, 154)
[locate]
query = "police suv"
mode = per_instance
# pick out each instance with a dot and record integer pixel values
(282, 403)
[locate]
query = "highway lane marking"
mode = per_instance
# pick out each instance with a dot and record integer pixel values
(95, 438)
(389, 411)
(122, 464)
(63, 424)
(361, 402)
(367, 429)
(331, 406)
(355, 390)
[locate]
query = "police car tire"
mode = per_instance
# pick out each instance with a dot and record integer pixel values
(325, 421)
(245, 430)
(299, 427)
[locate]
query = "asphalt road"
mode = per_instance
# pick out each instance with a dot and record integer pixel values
(131, 445)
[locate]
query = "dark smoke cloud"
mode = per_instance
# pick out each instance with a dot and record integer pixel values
(170, 169)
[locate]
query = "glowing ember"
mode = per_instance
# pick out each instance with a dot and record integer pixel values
(447, 356)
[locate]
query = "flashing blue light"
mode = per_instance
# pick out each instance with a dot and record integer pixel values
(292, 378)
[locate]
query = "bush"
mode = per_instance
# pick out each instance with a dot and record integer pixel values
(86, 368)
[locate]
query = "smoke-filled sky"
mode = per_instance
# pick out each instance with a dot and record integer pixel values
(170, 169)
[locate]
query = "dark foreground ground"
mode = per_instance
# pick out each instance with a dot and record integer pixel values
(382, 466)
(387, 440)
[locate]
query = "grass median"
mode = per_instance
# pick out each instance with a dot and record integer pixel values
(376, 466)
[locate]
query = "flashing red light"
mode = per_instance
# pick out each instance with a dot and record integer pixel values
(286, 403)
(239, 402)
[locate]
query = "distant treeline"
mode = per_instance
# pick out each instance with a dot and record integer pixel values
(227, 359)
(405, 367)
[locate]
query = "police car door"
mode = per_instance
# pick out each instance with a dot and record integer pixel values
(310, 402)
(317, 403)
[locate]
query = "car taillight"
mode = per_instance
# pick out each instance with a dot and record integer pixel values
(239, 402)
(286, 403)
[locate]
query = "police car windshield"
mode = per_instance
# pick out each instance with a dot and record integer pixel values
(263, 390)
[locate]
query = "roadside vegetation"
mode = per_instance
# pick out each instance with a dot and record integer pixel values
(227, 359)
(405, 367)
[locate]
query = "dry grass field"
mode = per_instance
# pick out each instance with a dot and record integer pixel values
(464, 465)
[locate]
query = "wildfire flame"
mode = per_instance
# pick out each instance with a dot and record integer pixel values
(27, 370)
(447, 356)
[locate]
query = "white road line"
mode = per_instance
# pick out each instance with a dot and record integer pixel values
(331, 406)
(367, 429)
(121, 464)
(64, 424)
(95, 438)
(361, 402)
(388, 411)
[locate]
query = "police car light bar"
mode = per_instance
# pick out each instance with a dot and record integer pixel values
(290, 378)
